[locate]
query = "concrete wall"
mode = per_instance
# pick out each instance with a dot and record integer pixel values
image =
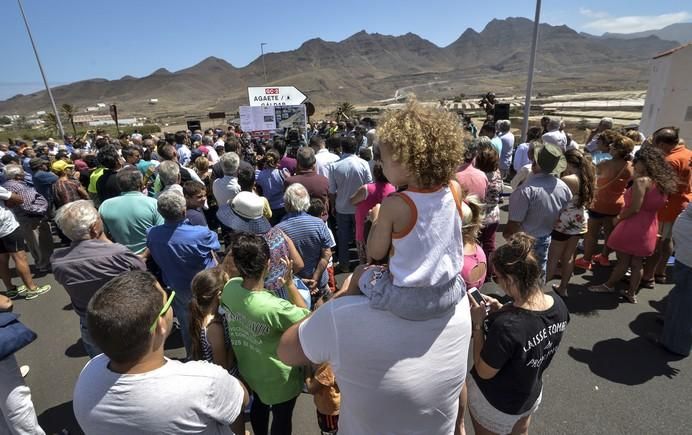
(669, 97)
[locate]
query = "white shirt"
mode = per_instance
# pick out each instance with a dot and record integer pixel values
(324, 158)
(196, 397)
(556, 137)
(436, 232)
(212, 155)
(8, 223)
(521, 156)
(396, 376)
(225, 189)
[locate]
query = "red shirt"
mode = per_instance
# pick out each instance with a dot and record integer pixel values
(316, 185)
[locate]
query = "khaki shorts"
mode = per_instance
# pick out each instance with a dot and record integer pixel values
(665, 230)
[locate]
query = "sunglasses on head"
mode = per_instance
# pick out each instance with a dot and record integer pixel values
(163, 312)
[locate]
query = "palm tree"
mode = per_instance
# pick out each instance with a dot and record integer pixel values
(344, 109)
(69, 110)
(51, 122)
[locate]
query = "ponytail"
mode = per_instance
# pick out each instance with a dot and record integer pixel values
(206, 287)
(472, 217)
(516, 261)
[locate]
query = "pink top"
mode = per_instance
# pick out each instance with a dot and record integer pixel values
(376, 192)
(473, 181)
(470, 262)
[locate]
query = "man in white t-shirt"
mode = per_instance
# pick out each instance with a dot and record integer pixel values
(132, 388)
(555, 136)
(396, 376)
(323, 157)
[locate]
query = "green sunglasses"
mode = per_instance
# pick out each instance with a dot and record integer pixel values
(164, 310)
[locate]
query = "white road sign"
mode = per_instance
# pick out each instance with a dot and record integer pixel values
(275, 96)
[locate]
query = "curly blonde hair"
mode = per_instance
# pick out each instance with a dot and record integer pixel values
(428, 142)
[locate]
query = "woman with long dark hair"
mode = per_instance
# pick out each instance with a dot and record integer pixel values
(572, 223)
(636, 227)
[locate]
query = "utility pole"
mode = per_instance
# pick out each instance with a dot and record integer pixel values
(40, 67)
(264, 66)
(532, 61)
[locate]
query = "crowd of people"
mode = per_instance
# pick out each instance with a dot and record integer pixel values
(236, 242)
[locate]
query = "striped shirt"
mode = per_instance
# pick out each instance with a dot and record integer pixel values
(33, 203)
(65, 191)
(310, 236)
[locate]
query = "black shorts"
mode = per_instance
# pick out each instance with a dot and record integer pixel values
(13, 242)
(561, 237)
(597, 215)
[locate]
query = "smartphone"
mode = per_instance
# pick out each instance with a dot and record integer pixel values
(476, 295)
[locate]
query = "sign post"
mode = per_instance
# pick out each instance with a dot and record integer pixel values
(275, 96)
(114, 116)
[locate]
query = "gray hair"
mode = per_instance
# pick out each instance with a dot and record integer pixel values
(207, 140)
(171, 206)
(503, 125)
(76, 219)
(12, 172)
(296, 198)
(305, 157)
(554, 124)
(483, 141)
(169, 173)
(229, 163)
(129, 180)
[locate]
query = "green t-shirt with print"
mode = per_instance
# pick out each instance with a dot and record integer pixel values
(256, 320)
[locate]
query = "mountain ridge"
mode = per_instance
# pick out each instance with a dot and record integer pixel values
(370, 66)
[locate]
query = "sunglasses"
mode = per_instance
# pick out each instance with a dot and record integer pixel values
(163, 312)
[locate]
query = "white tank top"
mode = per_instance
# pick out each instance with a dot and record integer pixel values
(430, 251)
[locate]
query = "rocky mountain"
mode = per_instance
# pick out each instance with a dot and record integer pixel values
(680, 32)
(369, 66)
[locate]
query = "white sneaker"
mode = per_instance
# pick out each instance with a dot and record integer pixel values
(24, 370)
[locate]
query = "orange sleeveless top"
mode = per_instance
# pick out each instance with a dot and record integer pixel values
(609, 198)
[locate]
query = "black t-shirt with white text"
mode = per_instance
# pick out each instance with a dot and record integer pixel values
(521, 344)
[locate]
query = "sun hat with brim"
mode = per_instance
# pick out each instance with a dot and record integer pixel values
(247, 214)
(61, 165)
(550, 158)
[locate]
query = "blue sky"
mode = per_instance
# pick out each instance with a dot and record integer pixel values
(81, 39)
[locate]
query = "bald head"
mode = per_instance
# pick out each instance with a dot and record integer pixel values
(667, 138)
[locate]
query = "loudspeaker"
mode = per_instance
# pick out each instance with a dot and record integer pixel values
(501, 111)
(194, 124)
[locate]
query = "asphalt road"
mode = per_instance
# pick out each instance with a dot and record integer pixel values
(605, 379)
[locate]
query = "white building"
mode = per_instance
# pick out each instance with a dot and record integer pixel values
(669, 98)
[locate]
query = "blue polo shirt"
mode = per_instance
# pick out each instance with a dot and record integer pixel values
(43, 183)
(181, 250)
(310, 236)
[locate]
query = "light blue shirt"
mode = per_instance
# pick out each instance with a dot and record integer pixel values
(184, 154)
(346, 175)
(497, 144)
(507, 141)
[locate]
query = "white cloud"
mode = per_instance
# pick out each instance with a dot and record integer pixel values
(602, 22)
(592, 14)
